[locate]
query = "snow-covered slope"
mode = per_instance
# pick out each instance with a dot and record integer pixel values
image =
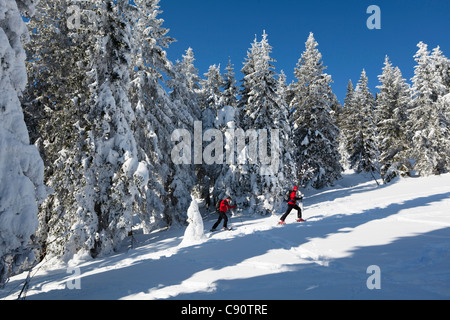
(402, 228)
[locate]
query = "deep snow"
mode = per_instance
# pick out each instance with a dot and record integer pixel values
(403, 228)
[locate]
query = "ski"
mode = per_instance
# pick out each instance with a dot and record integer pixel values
(279, 223)
(217, 230)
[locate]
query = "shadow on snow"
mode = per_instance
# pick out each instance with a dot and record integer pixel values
(305, 280)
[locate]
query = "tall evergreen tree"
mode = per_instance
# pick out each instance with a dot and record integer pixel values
(247, 69)
(393, 102)
(260, 79)
(262, 110)
(212, 102)
(114, 163)
(233, 180)
(428, 129)
(315, 132)
(153, 110)
(349, 95)
(442, 69)
(282, 91)
(230, 90)
(21, 167)
(55, 105)
(361, 144)
(344, 123)
(210, 93)
(186, 107)
(185, 86)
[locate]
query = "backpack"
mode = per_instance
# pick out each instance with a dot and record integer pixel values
(287, 196)
(218, 205)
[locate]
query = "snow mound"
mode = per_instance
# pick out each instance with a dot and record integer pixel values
(194, 232)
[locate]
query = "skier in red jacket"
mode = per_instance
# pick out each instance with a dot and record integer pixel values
(292, 204)
(224, 206)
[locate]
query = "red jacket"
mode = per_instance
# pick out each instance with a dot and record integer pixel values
(224, 206)
(294, 198)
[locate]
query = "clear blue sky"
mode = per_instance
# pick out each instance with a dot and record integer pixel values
(217, 30)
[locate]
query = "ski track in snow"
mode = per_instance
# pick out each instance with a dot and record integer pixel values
(403, 227)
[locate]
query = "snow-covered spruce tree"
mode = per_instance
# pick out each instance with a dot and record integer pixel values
(152, 106)
(344, 124)
(185, 105)
(55, 56)
(428, 128)
(230, 90)
(214, 179)
(393, 102)
(315, 132)
(233, 180)
(282, 90)
(287, 136)
(260, 85)
(210, 94)
(21, 167)
(262, 111)
(55, 104)
(442, 68)
(113, 171)
(184, 87)
(361, 136)
(211, 101)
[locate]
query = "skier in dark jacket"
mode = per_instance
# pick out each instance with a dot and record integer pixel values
(292, 204)
(224, 206)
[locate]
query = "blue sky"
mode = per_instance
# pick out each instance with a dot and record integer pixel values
(217, 30)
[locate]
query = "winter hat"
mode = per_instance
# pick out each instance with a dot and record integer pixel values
(295, 188)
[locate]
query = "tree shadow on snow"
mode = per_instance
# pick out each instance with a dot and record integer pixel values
(146, 275)
(412, 267)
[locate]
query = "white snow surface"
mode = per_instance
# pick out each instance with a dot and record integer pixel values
(403, 228)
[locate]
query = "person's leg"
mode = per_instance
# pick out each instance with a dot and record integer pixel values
(299, 212)
(225, 220)
(218, 221)
(290, 206)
